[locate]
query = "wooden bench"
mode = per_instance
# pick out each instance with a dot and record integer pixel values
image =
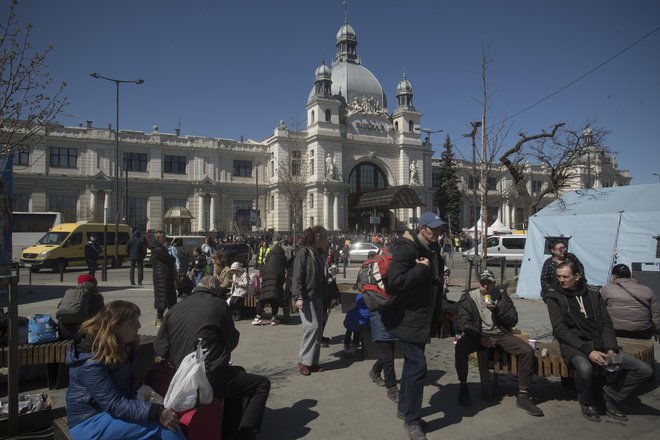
(53, 355)
(492, 362)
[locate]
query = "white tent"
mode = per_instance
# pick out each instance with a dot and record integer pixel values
(603, 227)
(498, 228)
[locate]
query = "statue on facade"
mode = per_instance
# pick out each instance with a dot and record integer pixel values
(329, 167)
(414, 174)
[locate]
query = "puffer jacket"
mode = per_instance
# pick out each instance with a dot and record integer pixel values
(309, 281)
(505, 315)
(95, 387)
(411, 317)
(273, 275)
(164, 273)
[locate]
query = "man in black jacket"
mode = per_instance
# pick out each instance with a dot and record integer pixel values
(415, 276)
(487, 317)
(92, 251)
(205, 314)
(583, 327)
(136, 248)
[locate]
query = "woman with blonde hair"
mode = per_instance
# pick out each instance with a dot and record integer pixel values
(309, 286)
(100, 399)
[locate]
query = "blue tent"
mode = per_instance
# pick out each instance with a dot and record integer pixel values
(603, 227)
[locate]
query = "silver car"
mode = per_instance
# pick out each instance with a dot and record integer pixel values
(360, 251)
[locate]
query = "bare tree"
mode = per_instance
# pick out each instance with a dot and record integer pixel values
(27, 102)
(559, 153)
(292, 172)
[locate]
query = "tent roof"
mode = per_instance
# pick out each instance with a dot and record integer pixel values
(634, 198)
(498, 226)
(393, 197)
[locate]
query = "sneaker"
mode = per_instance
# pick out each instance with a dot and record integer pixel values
(274, 321)
(158, 322)
(524, 401)
(464, 395)
(414, 432)
(455, 340)
(590, 412)
(304, 369)
(257, 321)
(325, 342)
(611, 409)
(393, 394)
(423, 423)
(375, 378)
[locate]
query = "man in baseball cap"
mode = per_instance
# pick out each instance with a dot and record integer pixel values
(487, 316)
(431, 220)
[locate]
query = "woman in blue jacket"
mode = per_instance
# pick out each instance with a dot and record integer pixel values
(100, 399)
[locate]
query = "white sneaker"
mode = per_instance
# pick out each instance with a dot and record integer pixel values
(257, 321)
(274, 321)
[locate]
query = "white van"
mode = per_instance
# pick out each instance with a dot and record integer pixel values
(511, 247)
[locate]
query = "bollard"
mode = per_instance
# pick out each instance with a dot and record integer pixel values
(62, 273)
(515, 268)
(345, 269)
(502, 269)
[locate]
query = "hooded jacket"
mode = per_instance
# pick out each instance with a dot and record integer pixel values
(95, 387)
(568, 328)
(411, 317)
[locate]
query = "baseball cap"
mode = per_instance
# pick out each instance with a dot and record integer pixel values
(487, 275)
(431, 220)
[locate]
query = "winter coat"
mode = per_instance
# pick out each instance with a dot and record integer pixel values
(626, 312)
(273, 275)
(202, 315)
(566, 328)
(239, 284)
(411, 317)
(92, 251)
(136, 248)
(164, 274)
(96, 387)
(309, 281)
(505, 315)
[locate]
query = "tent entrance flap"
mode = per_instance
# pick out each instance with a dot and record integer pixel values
(393, 198)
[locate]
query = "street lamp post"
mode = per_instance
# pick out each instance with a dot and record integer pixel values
(428, 133)
(117, 83)
(656, 174)
(256, 203)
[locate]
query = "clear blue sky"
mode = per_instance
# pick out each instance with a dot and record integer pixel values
(235, 68)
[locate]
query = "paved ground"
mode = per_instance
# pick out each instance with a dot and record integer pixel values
(342, 403)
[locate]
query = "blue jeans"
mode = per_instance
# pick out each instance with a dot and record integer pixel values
(632, 373)
(413, 375)
(104, 426)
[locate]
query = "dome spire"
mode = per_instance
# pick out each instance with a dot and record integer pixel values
(346, 41)
(345, 3)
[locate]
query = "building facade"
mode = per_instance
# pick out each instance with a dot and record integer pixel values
(351, 145)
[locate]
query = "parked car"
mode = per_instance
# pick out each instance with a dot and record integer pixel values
(360, 251)
(511, 247)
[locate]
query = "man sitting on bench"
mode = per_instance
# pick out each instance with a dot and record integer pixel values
(487, 316)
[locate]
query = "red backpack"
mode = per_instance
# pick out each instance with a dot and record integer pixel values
(372, 281)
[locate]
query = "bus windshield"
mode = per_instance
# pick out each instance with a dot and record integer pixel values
(53, 238)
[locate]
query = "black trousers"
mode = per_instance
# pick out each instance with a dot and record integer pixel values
(245, 397)
(140, 270)
(385, 362)
(91, 266)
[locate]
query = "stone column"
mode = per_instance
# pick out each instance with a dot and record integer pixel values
(212, 213)
(200, 213)
(512, 224)
(326, 210)
(92, 203)
(335, 213)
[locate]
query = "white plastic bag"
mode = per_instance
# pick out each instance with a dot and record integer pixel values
(188, 382)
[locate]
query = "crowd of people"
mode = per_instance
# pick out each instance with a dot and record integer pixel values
(586, 322)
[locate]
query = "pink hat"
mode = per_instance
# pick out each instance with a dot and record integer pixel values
(87, 278)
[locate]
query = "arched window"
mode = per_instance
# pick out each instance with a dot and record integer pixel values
(366, 177)
(328, 115)
(311, 117)
(396, 125)
(411, 126)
